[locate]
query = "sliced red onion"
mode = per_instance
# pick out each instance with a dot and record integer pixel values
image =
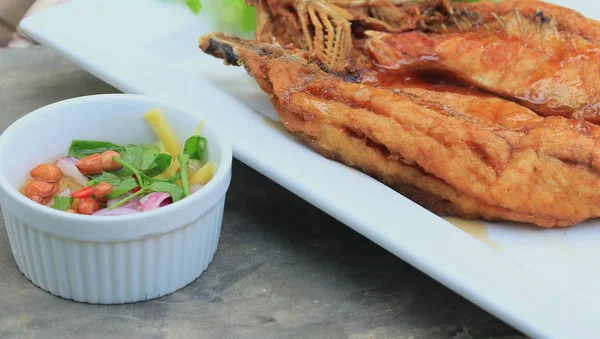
(154, 200)
(67, 166)
(65, 193)
(117, 211)
(166, 202)
(134, 204)
(113, 201)
(195, 188)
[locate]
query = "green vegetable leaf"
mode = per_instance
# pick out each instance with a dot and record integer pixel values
(194, 5)
(82, 148)
(160, 186)
(128, 198)
(160, 164)
(157, 186)
(248, 19)
(145, 159)
(175, 177)
(233, 16)
(195, 147)
(62, 203)
(184, 160)
(134, 155)
(172, 179)
(150, 153)
(129, 167)
(237, 12)
(108, 177)
(123, 186)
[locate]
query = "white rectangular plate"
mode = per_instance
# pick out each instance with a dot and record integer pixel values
(544, 282)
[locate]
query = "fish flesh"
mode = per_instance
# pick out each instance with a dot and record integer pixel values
(326, 27)
(460, 154)
(542, 56)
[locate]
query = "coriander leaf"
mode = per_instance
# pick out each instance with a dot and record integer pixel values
(195, 147)
(134, 155)
(82, 148)
(108, 177)
(145, 158)
(62, 203)
(248, 19)
(172, 179)
(175, 177)
(184, 160)
(194, 5)
(160, 186)
(160, 164)
(127, 166)
(150, 153)
(238, 13)
(123, 186)
(120, 185)
(127, 198)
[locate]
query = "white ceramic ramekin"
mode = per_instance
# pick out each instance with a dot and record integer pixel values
(108, 260)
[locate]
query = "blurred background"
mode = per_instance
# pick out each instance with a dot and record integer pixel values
(11, 13)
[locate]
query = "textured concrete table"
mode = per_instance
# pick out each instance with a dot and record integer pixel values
(278, 272)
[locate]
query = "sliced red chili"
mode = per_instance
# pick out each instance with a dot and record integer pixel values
(83, 193)
(134, 190)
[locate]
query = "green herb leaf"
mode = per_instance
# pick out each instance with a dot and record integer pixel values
(160, 186)
(172, 179)
(194, 5)
(146, 159)
(108, 177)
(195, 147)
(62, 203)
(129, 167)
(175, 177)
(134, 155)
(150, 153)
(237, 12)
(128, 198)
(160, 164)
(82, 148)
(248, 19)
(184, 160)
(232, 16)
(122, 187)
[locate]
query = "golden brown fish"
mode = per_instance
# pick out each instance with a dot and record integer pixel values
(455, 153)
(542, 56)
(324, 27)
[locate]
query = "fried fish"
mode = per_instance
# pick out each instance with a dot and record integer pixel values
(473, 156)
(324, 27)
(542, 56)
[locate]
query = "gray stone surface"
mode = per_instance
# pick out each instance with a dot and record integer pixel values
(278, 272)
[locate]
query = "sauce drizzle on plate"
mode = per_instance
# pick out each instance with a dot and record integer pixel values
(475, 228)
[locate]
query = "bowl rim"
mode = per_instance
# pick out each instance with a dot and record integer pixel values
(222, 173)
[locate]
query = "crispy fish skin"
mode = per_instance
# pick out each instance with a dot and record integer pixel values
(435, 148)
(510, 14)
(324, 27)
(542, 56)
